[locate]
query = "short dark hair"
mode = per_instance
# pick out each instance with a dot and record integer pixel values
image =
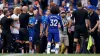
(79, 4)
(55, 10)
(5, 12)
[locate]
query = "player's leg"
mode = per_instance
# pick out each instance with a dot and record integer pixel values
(25, 39)
(21, 39)
(36, 41)
(85, 35)
(66, 43)
(76, 36)
(49, 43)
(61, 41)
(4, 50)
(31, 39)
(26, 36)
(16, 43)
(9, 42)
(57, 40)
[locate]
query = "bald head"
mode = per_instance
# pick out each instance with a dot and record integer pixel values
(24, 8)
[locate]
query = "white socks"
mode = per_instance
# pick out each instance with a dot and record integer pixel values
(57, 49)
(48, 47)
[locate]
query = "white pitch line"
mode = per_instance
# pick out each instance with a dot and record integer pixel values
(13, 55)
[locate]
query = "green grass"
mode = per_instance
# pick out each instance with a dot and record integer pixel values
(49, 55)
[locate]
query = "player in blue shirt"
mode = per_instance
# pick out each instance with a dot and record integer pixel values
(44, 20)
(52, 29)
(31, 32)
(43, 40)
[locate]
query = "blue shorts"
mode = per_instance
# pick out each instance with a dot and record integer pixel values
(54, 36)
(31, 36)
(15, 36)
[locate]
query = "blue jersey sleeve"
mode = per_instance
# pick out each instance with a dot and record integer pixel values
(43, 19)
(61, 23)
(48, 20)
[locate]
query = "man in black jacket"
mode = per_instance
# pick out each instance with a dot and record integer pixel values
(5, 24)
(80, 16)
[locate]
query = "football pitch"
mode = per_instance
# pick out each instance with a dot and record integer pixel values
(49, 54)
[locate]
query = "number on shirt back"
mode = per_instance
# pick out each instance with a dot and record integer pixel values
(36, 22)
(54, 22)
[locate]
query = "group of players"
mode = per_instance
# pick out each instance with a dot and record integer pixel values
(22, 31)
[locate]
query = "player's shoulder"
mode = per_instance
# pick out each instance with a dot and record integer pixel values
(14, 16)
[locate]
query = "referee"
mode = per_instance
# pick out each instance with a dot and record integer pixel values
(80, 16)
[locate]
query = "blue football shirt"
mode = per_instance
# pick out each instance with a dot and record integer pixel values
(53, 21)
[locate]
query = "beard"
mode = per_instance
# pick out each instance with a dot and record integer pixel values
(63, 16)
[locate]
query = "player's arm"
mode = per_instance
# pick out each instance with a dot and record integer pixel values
(67, 24)
(87, 20)
(31, 22)
(0, 26)
(87, 23)
(41, 28)
(47, 31)
(15, 19)
(0, 29)
(62, 28)
(30, 25)
(71, 20)
(47, 26)
(97, 18)
(12, 25)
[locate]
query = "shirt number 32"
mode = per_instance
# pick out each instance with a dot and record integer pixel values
(54, 22)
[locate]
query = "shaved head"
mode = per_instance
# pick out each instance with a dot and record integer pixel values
(25, 8)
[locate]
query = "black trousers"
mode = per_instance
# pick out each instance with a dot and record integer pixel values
(70, 48)
(7, 41)
(96, 40)
(43, 44)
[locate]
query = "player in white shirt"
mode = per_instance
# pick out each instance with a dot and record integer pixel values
(15, 27)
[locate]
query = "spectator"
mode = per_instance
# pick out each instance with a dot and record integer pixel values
(89, 3)
(57, 2)
(31, 11)
(11, 10)
(99, 6)
(1, 14)
(71, 33)
(71, 8)
(17, 3)
(64, 5)
(1, 4)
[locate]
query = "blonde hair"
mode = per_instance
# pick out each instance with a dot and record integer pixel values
(15, 10)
